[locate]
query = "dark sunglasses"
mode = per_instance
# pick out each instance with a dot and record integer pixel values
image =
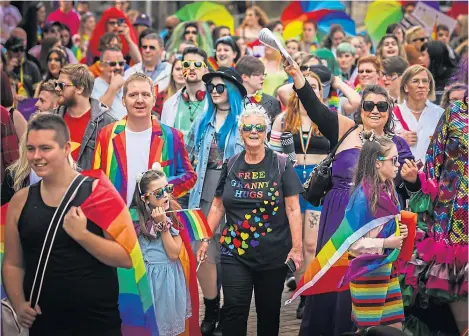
(421, 39)
(61, 85)
(249, 127)
(145, 47)
(219, 87)
(159, 193)
(304, 68)
(395, 159)
(368, 71)
(190, 32)
(197, 64)
(369, 106)
(114, 63)
(17, 49)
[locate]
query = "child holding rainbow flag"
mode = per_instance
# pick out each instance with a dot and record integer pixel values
(165, 257)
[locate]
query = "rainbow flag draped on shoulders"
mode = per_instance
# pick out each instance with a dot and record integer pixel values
(106, 208)
(331, 270)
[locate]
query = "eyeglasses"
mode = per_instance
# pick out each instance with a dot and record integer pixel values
(421, 39)
(145, 47)
(368, 71)
(17, 49)
(114, 63)
(159, 193)
(369, 106)
(259, 74)
(197, 64)
(304, 68)
(190, 32)
(395, 159)
(260, 128)
(61, 85)
(392, 77)
(219, 87)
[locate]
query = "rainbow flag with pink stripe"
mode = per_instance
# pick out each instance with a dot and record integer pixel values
(195, 224)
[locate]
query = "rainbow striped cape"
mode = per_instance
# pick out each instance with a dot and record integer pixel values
(331, 270)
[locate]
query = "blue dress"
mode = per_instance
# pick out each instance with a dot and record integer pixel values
(168, 286)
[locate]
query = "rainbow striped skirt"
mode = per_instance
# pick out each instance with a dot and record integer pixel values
(377, 298)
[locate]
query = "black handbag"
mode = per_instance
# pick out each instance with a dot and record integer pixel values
(320, 179)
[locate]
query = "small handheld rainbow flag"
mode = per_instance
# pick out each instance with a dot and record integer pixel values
(195, 223)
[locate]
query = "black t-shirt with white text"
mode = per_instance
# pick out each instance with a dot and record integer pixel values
(257, 232)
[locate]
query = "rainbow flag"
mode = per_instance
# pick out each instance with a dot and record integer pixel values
(106, 208)
(331, 271)
(333, 102)
(194, 223)
(212, 63)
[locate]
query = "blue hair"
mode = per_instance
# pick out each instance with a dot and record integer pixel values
(231, 122)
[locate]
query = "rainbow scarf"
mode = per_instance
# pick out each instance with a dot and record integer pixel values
(358, 89)
(194, 223)
(212, 63)
(167, 148)
(331, 270)
(333, 102)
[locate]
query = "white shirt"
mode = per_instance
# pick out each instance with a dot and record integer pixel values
(117, 109)
(160, 76)
(137, 145)
(424, 127)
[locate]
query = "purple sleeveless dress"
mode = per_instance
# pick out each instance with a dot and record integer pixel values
(329, 314)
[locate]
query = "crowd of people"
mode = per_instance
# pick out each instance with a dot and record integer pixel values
(195, 117)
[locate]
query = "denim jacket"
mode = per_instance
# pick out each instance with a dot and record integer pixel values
(100, 117)
(199, 153)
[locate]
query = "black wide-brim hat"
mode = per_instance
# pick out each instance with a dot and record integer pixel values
(230, 74)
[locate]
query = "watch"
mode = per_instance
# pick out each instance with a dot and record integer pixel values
(205, 240)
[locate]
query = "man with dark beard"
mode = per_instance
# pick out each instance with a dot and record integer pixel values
(83, 115)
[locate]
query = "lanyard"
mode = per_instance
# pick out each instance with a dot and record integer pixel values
(305, 145)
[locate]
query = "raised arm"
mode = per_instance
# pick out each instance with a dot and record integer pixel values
(353, 97)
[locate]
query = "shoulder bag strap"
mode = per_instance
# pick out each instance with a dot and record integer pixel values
(351, 129)
(231, 161)
(398, 114)
(50, 236)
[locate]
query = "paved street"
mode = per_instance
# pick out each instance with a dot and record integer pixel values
(289, 325)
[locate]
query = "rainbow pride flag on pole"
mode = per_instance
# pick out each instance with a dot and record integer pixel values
(195, 223)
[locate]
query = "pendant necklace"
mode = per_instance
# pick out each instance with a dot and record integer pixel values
(305, 145)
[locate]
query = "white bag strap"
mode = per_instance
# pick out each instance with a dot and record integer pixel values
(67, 198)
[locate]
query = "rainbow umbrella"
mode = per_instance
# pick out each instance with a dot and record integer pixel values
(206, 11)
(294, 29)
(337, 17)
(380, 15)
(308, 10)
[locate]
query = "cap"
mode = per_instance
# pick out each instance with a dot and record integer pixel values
(13, 42)
(229, 74)
(142, 20)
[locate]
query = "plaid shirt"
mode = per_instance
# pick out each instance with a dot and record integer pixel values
(160, 99)
(9, 146)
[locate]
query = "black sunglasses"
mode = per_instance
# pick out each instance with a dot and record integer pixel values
(369, 106)
(17, 49)
(114, 63)
(421, 39)
(190, 32)
(61, 85)
(368, 71)
(304, 68)
(145, 47)
(219, 87)
(260, 128)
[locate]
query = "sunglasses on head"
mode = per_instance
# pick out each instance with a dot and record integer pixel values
(421, 39)
(159, 193)
(114, 63)
(395, 159)
(190, 32)
(61, 85)
(145, 47)
(219, 87)
(368, 71)
(369, 106)
(197, 64)
(260, 128)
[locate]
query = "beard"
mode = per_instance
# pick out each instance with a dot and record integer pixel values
(68, 102)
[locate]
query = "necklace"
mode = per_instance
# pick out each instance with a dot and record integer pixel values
(219, 109)
(192, 113)
(360, 135)
(305, 145)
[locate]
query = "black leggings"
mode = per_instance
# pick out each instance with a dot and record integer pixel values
(238, 281)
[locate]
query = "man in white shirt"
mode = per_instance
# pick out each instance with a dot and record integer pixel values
(108, 87)
(416, 116)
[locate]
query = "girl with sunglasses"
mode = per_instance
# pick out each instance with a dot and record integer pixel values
(157, 227)
(214, 137)
(375, 114)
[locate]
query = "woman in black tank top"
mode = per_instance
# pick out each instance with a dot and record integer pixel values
(310, 148)
(79, 294)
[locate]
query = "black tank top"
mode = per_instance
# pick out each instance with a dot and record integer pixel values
(317, 144)
(79, 294)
